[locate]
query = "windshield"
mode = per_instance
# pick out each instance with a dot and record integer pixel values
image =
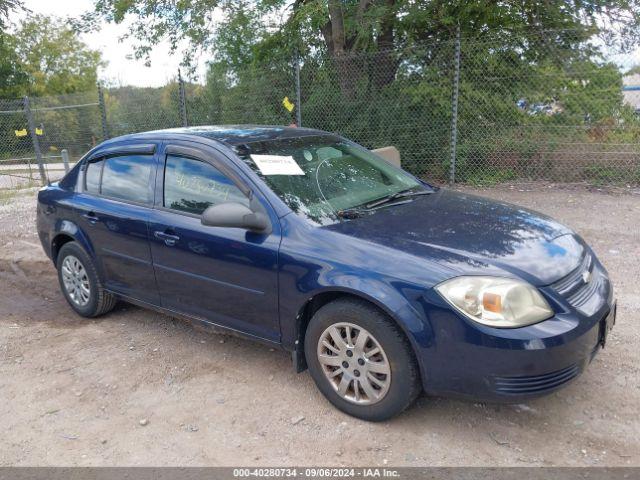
(320, 176)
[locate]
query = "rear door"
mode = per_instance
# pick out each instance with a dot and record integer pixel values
(113, 210)
(227, 276)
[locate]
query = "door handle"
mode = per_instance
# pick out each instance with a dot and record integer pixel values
(168, 238)
(91, 217)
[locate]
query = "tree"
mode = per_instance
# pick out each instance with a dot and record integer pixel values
(532, 80)
(53, 58)
(12, 76)
(45, 57)
(340, 27)
(14, 80)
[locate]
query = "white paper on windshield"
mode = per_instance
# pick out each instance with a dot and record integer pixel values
(277, 165)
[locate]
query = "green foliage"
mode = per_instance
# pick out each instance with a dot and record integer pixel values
(531, 101)
(45, 57)
(134, 109)
(239, 31)
(603, 175)
(54, 58)
(380, 71)
(13, 78)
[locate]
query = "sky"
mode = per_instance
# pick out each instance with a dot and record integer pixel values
(121, 69)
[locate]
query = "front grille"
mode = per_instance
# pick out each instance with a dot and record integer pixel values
(534, 384)
(568, 285)
(584, 293)
(581, 294)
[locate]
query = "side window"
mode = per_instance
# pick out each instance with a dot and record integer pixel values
(92, 176)
(127, 178)
(192, 186)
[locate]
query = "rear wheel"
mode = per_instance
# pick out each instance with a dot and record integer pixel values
(361, 361)
(80, 283)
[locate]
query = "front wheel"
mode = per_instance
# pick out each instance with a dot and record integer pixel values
(80, 283)
(361, 360)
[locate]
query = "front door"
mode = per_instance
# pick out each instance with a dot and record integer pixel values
(227, 276)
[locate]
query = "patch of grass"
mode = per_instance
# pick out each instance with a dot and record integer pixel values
(18, 171)
(601, 175)
(489, 176)
(7, 195)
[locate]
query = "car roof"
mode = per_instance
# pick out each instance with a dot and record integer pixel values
(229, 134)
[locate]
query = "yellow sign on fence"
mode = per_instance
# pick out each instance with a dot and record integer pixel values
(287, 104)
(24, 133)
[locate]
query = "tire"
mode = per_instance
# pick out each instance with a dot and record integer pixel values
(73, 262)
(387, 394)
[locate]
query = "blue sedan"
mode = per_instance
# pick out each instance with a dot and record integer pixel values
(382, 285)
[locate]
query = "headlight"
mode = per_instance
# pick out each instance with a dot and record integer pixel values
(497, 302)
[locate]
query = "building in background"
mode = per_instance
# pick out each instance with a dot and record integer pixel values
(631, 90)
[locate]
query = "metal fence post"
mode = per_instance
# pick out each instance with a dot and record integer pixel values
(183, 100)
(103, 113)
(298, 103)
(34, 138)
(454, 109)
(65, 159)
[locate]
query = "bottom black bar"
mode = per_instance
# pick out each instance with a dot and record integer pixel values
(400, 473)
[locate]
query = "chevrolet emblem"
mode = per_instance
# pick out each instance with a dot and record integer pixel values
(586, 276)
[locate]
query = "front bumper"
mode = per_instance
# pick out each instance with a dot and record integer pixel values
(521, 386)
(470, 360)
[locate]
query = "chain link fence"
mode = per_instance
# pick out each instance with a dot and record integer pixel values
(40, 138)
(508, 107)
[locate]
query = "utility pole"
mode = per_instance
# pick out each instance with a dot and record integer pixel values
(34, 138)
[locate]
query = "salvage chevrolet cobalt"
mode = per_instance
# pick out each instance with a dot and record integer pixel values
(382, 285)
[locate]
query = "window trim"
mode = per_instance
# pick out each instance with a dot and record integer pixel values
(84, 177)
(192, 154)
(120, 150)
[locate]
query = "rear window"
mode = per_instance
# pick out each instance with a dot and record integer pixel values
(128, 178)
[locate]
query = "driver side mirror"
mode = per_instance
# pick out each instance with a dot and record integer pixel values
(235, 215)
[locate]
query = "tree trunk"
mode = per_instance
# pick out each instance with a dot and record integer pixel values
(385, 61)
(354, 67)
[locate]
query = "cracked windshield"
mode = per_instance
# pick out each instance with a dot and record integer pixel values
(321, 177)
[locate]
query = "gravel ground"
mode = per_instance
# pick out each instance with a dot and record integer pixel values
(139, 388)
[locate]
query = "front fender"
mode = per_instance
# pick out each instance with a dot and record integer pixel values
(382, 292)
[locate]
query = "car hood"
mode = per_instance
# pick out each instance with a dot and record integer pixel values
(473, 235)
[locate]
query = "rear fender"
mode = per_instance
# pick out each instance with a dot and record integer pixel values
(72, 230)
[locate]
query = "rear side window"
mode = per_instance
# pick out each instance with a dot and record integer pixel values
(192, 186)
(92, 176)
(128, 178)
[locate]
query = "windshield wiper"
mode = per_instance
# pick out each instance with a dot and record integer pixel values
(395, 196)
(356, 212)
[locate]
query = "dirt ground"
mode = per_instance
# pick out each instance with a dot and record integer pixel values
(139, 388)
